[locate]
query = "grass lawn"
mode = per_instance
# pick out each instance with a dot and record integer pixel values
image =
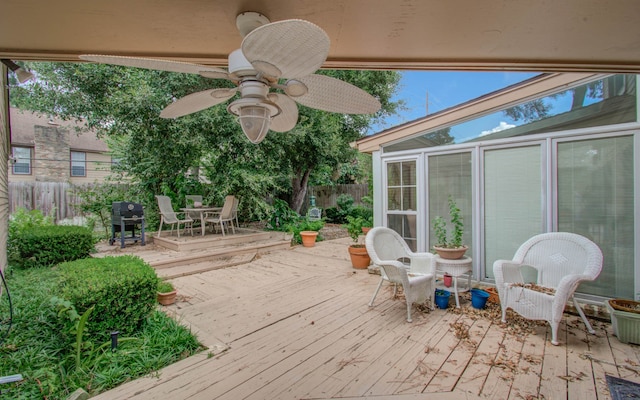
(42, 348)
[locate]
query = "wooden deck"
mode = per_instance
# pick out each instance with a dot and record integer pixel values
(294, 324)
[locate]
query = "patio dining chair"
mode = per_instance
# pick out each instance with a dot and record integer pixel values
(390, 252)
(234, 212)
(562, 261)
(224, 216)
(168, 216)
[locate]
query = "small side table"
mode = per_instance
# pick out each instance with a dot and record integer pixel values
(456, 268)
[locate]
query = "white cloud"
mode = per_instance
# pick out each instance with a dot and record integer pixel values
(501, 127)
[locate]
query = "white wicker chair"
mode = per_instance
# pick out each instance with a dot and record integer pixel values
(390, 252)
(168, 216)
(562, 260)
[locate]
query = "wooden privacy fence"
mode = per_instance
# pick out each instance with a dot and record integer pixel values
(327, 196)
(60, 198)
(52, 198)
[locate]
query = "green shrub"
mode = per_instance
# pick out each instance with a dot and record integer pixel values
(23, 220)
(333, 215)
(354, 227)
(49, 245)
(42, 347)
(344, 202)
(338, 215)
(123, 290)
(282, 216)
(165, 287)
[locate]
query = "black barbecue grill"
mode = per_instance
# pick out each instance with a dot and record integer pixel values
(127, 217)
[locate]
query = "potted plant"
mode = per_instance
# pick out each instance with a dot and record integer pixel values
(306, 231)
(625, 319)
(308, 238)
(367, 225)
(166, 293)
(449, 247)
(358, 252)
(442, 298)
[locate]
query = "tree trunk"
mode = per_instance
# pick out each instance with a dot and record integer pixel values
(299, 189)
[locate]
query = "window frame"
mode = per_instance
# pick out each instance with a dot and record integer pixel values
(30, 165)
(74, 164)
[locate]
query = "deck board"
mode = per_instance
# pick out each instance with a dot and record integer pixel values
(295, 324)
(526, 383)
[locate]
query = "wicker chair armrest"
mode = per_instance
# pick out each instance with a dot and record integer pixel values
(507, 271)
(393, 263)
(422, 263)
(568, 284)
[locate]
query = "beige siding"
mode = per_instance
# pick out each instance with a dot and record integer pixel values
(98, 168)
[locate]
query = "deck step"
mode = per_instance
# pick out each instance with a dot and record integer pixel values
(194, 257)
(188, 243)
(204, 266)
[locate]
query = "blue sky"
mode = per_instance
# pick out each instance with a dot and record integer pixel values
(445, 89)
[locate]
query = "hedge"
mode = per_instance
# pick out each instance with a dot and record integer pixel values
(47, 246)
(122, 289)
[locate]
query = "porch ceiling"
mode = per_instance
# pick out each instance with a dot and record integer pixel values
(573, 35)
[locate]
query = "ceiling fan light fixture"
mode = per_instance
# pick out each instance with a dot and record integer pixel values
(254, 116)
(255, 121)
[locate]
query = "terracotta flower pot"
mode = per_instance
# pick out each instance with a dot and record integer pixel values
(366, 229)
(451, 254)
(447, 280)
(308, 238)
(166, 299)
(493, 295)
(359, 257)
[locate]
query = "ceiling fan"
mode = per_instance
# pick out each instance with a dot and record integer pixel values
(282, 56)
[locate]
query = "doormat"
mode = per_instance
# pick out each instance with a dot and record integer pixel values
(622, 388)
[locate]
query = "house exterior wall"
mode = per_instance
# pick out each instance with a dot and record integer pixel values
(584, 180)
(51, 147)
(51, 143)
(98, 167)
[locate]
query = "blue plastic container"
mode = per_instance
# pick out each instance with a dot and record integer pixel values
(479, 298)
(442, 298)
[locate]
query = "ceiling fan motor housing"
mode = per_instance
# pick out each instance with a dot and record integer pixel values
(239, 65)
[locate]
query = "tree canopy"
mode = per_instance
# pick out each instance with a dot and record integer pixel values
(123, 106)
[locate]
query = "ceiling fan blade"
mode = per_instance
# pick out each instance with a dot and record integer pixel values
(288, 117)
(333, 95)
(290, 48)
(196, 102)
(151, 63)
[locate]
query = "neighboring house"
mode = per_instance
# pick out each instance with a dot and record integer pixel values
(577, 169)
(51, 150)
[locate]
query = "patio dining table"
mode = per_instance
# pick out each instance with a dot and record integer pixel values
(201, 211)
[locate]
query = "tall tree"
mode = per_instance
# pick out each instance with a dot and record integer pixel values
(124, 104)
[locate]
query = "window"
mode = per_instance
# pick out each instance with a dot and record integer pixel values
(608, 101)
(22, 157)
(402, 200)
(450, 175)
(78, 163)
